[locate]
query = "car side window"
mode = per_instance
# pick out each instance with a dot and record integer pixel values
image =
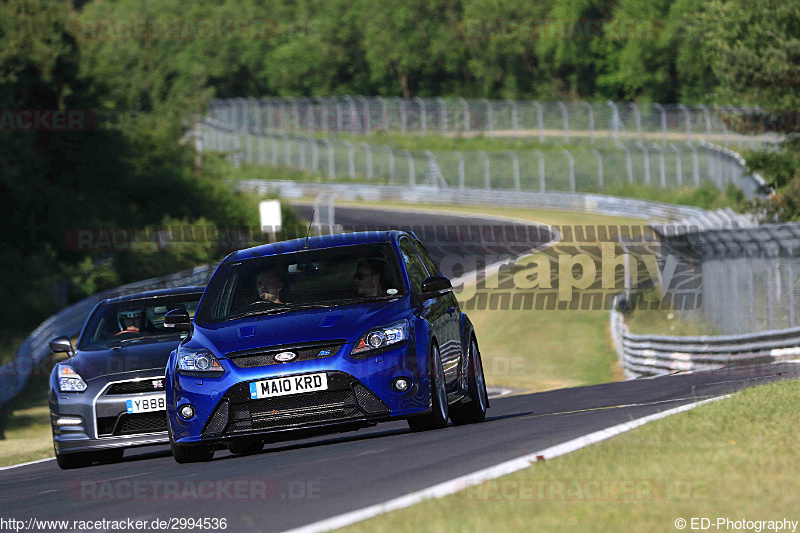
(414, 265)
(430, 264)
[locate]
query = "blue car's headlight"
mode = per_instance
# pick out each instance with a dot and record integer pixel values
(69, 380)
(197, 360)
(378, 338)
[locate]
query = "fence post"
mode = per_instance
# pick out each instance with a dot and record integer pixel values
(442, 113)
(237, 147)
(460, 160)
(661, 171)
(412, 173)
(314, 156)
(391, 164)
(403, 117)
(564, 120)
(338, 108)
(542, 178)
(287, 150)
(791, 289)
(489, 115)
(707, 118)
(351, 104)
(663, 121)
(591, 119)
(695, 165)
(351, 159)
(614, 121)
(365, 111)
(368, 153)
(465, 109)
(599, 157)
(274, 147)
(434, 173)
(515, 164)
(310, 122)
(331, 159)
(687, 120)
(571, 170)
(678, 164)
(384, 114)
(296, 112)
(637, 117)
(539, 120)
(301, 150)
(514, 116)
(423, 113)
(270, 115)
(646, 163)
(628, 164)
(487, 174)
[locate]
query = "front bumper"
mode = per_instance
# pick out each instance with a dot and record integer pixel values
(100, 420)
(359, 394)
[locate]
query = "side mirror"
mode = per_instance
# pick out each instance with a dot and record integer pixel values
(435, 286)
(178, 319)
(62, 344)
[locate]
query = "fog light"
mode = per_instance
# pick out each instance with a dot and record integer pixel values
(186, 412)
(401, 384)
(68, 421)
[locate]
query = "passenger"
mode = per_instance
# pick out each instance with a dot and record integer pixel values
(269, 285)
(369, 277)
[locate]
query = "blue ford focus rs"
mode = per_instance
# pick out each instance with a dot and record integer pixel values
(324, 334)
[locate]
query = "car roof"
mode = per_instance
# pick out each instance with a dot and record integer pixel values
(317, 242)
(155, 294)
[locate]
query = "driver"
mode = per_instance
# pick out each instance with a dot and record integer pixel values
(269, 285)
(130, 322)
(369, 277)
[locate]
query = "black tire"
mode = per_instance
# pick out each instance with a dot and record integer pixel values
(437, 418)
(69, 461)
(245, 447)
(474, 410)
(190, 454)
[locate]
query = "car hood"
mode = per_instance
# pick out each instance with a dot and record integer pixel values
(95, 363)
(342, 322)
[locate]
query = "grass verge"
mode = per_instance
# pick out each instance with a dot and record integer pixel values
(736, 458)
(25, 424)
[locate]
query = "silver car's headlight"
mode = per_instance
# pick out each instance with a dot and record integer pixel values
(378, 338)
(69, 380)
(197, 360)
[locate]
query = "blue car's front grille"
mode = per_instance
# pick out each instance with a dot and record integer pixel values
(266, 356)
(345, 400)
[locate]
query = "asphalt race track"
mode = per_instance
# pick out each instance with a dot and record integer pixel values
(313, 479)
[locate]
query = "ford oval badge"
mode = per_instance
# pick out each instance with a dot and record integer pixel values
(285, 357)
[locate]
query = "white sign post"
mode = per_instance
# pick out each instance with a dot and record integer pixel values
(270, 214)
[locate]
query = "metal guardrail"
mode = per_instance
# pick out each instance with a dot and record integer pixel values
(652, 355)
(69, 321)
(587, 203)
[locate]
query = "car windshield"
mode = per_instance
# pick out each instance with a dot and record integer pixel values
(301, 280)
(135, 321)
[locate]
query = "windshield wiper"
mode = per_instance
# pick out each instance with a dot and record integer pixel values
(273, 311)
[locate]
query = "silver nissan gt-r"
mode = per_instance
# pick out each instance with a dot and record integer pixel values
(109, 394)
